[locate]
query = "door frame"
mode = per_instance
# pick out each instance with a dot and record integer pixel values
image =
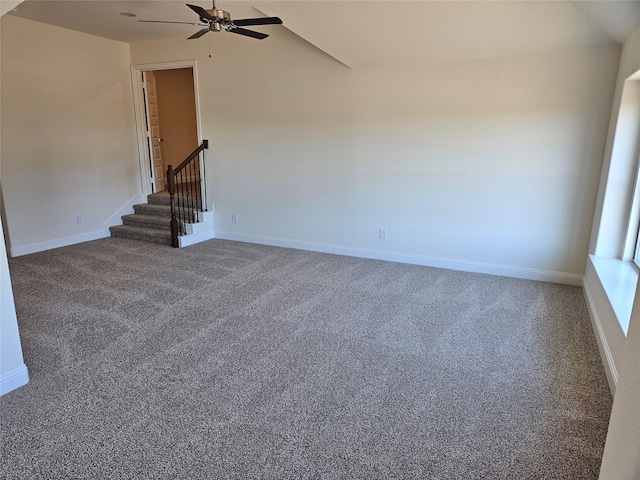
(146, 173)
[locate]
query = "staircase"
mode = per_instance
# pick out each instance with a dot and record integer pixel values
(151, 222)
(178, 216)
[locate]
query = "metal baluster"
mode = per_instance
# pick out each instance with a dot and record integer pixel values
(185, 200)
(194, 198)
(204, 178)
(189, 187)
(198, 186)
(174, 221)
(181, 202)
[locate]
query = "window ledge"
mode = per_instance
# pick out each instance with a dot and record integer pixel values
(619, 279)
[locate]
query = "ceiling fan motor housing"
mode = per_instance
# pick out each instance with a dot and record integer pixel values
(216, 20)
(219, 15)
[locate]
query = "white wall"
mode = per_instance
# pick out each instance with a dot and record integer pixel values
(13, 371)
(487, 165)
(68, 134)
(611, 215)
(629, 64)
(610, 278)
(7, 5)
(609, 333)
(621, 458)
(622, 450)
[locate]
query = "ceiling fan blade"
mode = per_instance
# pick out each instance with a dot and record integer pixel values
(202, 13)
(248, 33)
(165, 21)
(245, 22)
(198, 34)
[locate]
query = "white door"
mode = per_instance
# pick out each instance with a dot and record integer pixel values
(154, 140)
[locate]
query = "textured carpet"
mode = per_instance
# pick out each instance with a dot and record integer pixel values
(233, 360)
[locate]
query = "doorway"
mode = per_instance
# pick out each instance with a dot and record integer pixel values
(167, 118)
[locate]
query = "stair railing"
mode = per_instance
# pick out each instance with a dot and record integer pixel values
(187, 191)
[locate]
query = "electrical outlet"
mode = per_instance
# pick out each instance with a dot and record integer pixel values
(234, 218)
(78, 219)
(383, 234)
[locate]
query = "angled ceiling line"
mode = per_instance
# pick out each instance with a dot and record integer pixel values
(300, 35)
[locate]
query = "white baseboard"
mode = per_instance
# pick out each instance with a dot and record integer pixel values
(424, 260)
(57, 243)
(605, 352)
(188, 240)
(14, 379)
(115, 219)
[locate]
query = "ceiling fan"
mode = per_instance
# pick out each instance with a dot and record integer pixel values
(216, 20)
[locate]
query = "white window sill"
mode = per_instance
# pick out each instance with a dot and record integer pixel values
(619, 279)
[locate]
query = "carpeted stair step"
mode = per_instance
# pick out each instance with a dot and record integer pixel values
(153, 209)
(147, 221)
(163, 198)
(151, 222)
(138, 233)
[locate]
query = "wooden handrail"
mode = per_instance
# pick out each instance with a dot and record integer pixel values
(194, 154)
(190, 201)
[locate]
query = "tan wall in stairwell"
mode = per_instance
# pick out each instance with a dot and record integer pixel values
(176, 105)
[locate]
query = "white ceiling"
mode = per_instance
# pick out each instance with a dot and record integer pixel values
(362, 33)
(367, 33)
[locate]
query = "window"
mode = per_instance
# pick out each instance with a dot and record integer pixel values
(617, 251)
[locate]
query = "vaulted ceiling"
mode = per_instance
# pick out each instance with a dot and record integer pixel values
(362, 33)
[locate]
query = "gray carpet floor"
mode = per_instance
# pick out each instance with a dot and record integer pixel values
(233, 360)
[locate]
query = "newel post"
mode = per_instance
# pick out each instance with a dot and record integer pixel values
(171, 186)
